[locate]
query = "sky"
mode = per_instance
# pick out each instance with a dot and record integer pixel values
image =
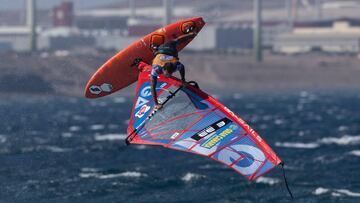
(79, 4)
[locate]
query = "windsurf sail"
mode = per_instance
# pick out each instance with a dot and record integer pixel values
(193, 121)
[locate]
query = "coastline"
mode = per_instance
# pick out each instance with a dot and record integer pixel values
(215, 73)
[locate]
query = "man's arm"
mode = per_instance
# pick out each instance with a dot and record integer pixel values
(154, 95)
(153, 90)
(182, 74)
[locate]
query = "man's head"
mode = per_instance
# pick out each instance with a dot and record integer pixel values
(168, 69)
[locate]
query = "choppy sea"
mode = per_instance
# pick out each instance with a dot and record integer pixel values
(57, 149)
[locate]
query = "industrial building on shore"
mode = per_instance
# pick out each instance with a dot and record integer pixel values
(115, 28)
(331, 36)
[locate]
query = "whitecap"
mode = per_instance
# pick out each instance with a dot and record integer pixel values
(191, 177)
(279, 122)
(110, 137)
(74, 128)
(79, 118)
(96, 103)
(348, 192)
(206, 166)
(89, 169)
(267, 117)
(88, 175)
(97, 127)
(141, 147)
(119, 100)
(301, 133)
(131, 174)
(267, 180)
(2, 139)
(66, 134)
(320, 191)
(127, 174)
(109, 176)
(56, 149)
(298, 145)
(344, 140)
(355, 152)
(343, 128)
(336, 192)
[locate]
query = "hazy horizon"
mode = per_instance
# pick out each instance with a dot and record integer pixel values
(46, 4)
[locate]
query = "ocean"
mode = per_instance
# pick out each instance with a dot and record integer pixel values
(59, 149)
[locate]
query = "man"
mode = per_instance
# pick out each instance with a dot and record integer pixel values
(166, 62)
(168, 69)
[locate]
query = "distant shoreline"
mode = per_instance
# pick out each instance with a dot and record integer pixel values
(215, 73)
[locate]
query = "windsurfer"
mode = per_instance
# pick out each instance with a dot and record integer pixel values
(166, 62)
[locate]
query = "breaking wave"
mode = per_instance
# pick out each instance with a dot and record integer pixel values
(74, 128)
(297, 145)
(320, 191)
(188, 177)
(341, 141)
(355, 152)
(335, 192)
(344, 140)
(348, 193)
(267, 180)
(95, 173)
